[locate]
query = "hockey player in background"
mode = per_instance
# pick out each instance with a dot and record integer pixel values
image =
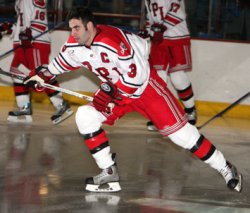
(31, 22)
(120, 61)
(170, 48)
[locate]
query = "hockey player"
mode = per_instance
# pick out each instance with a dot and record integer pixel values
(170, 48)
(120, 60)
(31, 22)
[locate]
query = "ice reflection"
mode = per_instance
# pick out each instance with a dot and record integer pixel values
(31, 172)
(103, 202)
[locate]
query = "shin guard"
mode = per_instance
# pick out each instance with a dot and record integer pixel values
(203, 149)
(98, 146)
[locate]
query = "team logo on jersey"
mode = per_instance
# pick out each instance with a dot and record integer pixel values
(123, 48)
(71, 52)
(105, 87)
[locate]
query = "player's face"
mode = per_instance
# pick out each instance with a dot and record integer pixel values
(79, 32)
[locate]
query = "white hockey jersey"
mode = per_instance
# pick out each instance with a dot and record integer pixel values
(170, 13)
(114, 55)
(31, 14)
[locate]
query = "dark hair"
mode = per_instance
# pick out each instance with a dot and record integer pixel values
(81, 13)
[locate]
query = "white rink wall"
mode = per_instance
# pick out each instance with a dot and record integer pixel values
(221, 70)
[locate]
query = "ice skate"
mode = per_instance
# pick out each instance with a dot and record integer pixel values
(192, 115)
(232, 177)
(23, 115)
(151, 126)
(106, 181)
(63, 112)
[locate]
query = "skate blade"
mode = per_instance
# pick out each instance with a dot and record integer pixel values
(108, 187)
(238, 187)
(65, 115)
(20, 119)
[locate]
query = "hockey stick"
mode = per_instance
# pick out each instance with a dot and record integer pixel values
(73, 93)
(49, 30)
(66, 91)
(48, 86)
(12, 75)
(225, 110)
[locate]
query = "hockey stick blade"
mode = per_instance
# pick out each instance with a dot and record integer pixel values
(12, 75)
(225, 110)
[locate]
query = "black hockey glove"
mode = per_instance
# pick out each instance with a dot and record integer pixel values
(26, 38)
(6, 27)
(158, 30)
(143, 34)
